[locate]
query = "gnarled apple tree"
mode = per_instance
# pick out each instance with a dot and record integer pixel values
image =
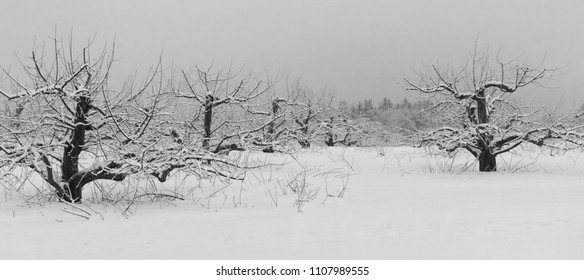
(479, 114)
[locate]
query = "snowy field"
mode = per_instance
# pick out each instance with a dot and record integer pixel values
(333, 203)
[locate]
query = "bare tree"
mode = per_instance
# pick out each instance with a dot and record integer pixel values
(226, 102)
(475, 103)
(309, 111)
(73, 129)
(304, 121)
(340, 130)
(275, 133)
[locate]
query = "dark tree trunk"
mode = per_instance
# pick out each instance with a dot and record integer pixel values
(72, 193)
(207, 121)
(72, 179)
(482, 109)
(271, 129)
(329, 139)
(304, 143)
(487, 161)
(275, 109)
(330, 135)
(73, 148)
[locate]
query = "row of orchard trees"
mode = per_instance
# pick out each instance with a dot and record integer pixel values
(65, 111)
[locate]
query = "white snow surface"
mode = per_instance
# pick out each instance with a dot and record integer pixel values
(399, 203)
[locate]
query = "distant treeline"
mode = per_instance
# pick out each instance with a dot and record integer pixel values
(401, 117)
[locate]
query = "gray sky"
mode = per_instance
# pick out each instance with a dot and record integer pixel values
(359, 48)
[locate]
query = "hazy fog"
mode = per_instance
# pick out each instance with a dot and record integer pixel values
(359, 48)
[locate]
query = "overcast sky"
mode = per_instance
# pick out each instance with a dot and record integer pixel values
(359, 48)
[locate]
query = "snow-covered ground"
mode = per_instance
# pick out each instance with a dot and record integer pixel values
(392, 203)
